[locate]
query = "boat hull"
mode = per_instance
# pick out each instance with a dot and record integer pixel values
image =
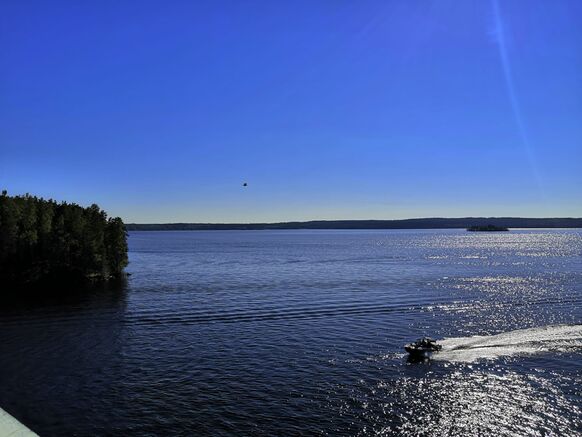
(413, 351)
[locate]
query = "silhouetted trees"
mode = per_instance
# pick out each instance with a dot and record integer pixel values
(421, 223)
(44, 239)
(487, 228)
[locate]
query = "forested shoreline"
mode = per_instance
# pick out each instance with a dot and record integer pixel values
(418, 223)
(44, 240)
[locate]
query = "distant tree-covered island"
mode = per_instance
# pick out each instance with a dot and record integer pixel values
(487, 228)
(43, 240)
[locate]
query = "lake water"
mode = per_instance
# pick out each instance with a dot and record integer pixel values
(301, 332)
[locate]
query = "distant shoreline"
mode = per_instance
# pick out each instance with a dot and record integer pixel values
(417, 223)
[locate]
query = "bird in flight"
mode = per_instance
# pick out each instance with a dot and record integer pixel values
(245, 184)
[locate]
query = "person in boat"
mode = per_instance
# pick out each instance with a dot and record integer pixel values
(423, 346)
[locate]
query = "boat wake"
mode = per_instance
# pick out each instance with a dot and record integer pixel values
(553, 338)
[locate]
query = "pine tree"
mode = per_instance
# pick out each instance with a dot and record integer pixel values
(42, 238)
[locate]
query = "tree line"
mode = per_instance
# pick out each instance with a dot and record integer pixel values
(43, 239)
(420, 223)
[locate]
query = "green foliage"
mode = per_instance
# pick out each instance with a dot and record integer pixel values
(45, 239)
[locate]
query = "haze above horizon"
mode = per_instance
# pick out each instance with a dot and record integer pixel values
(160, 112)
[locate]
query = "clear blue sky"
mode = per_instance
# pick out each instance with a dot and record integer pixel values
(160, 110)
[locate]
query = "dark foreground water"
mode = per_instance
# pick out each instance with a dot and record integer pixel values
(301, 332)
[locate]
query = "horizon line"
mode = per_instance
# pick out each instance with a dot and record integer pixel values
(361, 220)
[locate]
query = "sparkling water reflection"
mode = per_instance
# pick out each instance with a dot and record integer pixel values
(294, 332)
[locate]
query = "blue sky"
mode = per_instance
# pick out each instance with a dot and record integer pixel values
(159, 111)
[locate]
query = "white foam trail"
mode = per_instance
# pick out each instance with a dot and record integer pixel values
(555, 338)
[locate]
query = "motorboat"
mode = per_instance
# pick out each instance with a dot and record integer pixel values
(422, 348)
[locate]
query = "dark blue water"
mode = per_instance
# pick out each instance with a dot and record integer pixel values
(301, 332)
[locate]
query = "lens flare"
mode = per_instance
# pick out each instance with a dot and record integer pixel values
(499, 37)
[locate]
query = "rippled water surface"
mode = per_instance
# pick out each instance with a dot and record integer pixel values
(301, 332)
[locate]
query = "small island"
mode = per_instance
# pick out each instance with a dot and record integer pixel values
(44, 241)
(487, 228)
